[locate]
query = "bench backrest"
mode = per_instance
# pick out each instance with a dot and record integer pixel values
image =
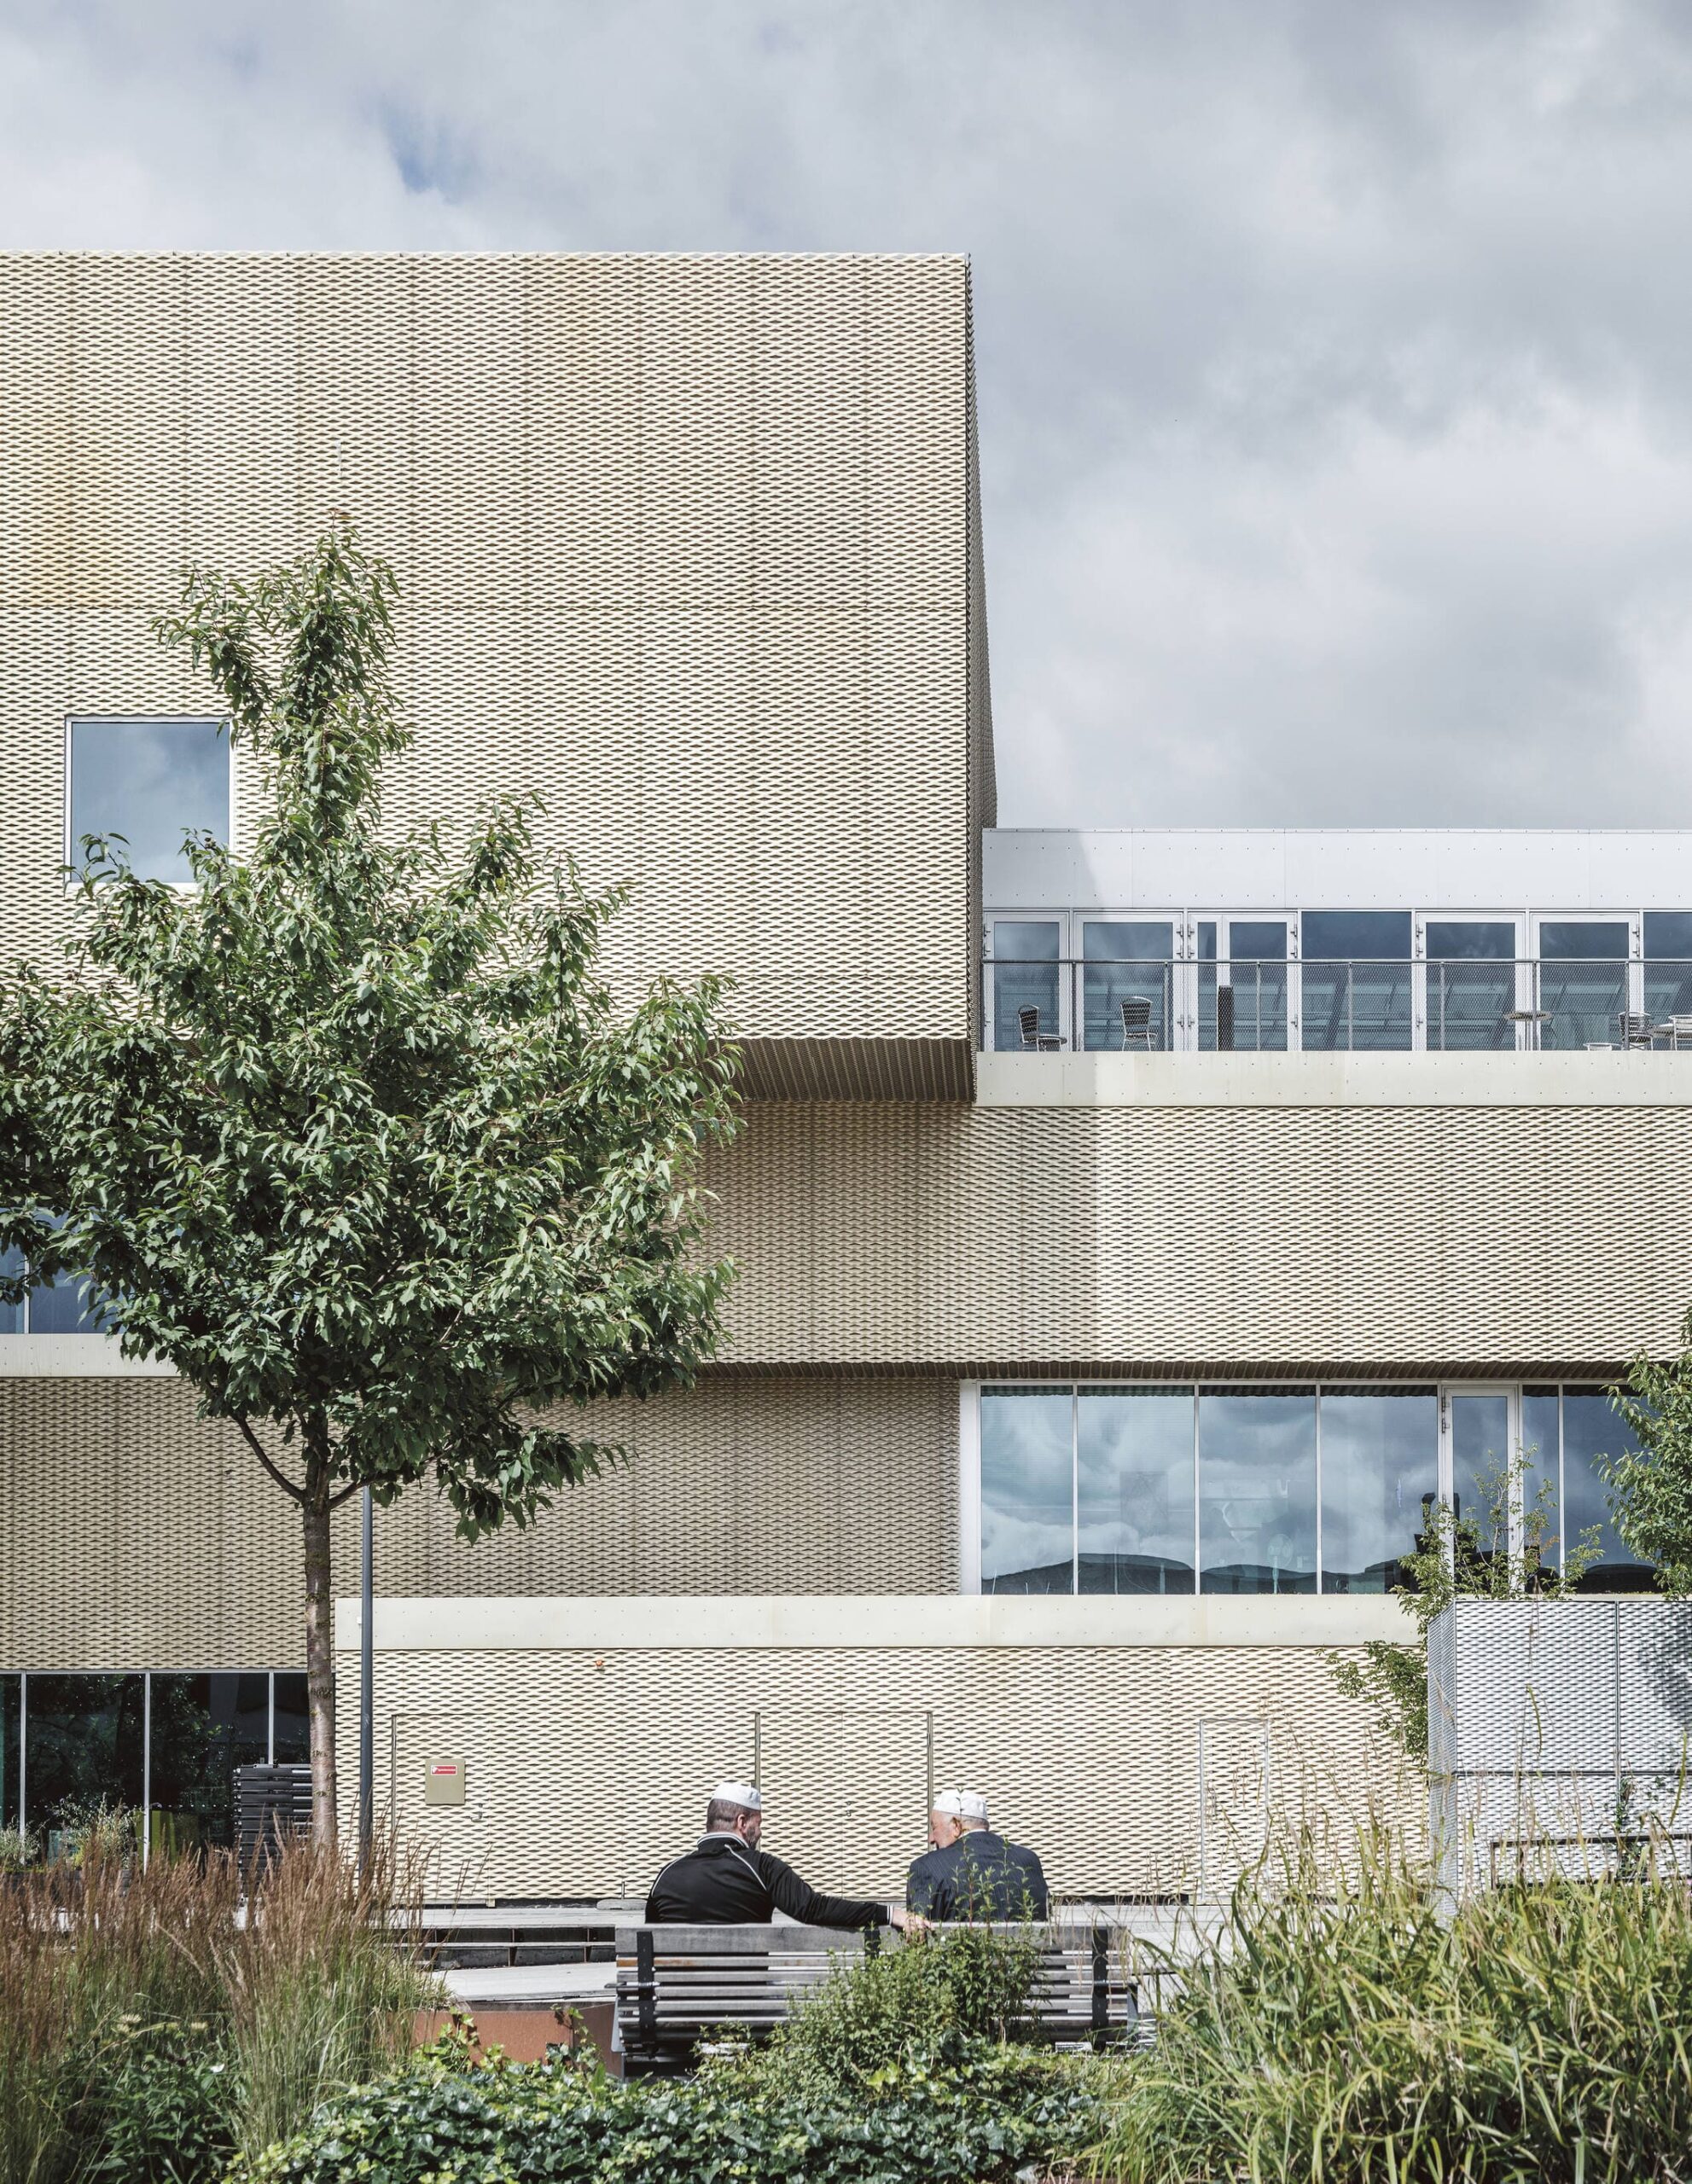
(676, 1982)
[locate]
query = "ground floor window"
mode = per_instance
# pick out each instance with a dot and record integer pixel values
(1270, 1487)
(161, 1743)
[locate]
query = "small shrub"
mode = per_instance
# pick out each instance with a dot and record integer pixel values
(18, 1850)
(164, 2106)
(874, 2017)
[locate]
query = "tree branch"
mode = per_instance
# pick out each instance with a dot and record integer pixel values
(286, 1484)
(345, 1494)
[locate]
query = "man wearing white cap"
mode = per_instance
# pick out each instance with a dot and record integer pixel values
(726, 1881)
(972, 1872)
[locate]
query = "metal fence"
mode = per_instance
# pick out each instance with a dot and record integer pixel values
(1559, 1739)
(1523, 1004)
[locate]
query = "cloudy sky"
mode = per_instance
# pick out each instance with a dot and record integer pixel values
(1335, 357)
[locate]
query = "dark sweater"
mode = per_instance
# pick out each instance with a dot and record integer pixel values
(723, 1883)
(980, 1876)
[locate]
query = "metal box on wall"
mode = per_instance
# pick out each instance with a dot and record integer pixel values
(443, 1781)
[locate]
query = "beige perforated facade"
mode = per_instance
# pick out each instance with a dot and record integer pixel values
(690, 545)
(693, 546)
(1153, 1768)
(1464, 1238)
(134, 1535)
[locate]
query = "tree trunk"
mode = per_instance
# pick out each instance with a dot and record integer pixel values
(319, 1643)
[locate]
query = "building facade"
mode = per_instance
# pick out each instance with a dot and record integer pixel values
(1136, 1230)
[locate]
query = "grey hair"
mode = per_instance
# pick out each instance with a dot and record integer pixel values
(720, 1814)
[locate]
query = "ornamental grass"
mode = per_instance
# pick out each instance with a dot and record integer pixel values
(1541, 2033)
(153, 2023)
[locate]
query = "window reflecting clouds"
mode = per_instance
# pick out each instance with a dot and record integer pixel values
(1257, 1491)
(1134, 1490)
(1593, 1428)
(1027, 1490)
(151, 781)
(1091, 1489)
(1380, 1480)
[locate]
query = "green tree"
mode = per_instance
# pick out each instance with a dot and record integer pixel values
(351, 1130)
(1461, 1558)
(1651, 1485)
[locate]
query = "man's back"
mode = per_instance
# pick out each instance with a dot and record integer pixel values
(723, 1882)
(980, 1876)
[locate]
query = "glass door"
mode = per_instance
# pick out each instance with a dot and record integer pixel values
(1479, 1432)
(1127, 974)
(1028, 983)
(1588, 994)
(1476, 996)
(1244, 985)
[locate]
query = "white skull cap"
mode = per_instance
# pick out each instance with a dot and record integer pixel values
(738, 1793)
(961, 1804)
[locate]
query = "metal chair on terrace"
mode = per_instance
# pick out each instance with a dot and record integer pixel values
(1136, 1024)
(1637, 1031)
(1034, 1040)
(1678, 1030)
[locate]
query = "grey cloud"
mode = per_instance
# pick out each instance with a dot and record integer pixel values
(1335, 360)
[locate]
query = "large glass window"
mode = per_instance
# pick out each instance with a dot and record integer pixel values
(1379, 1480)
(1025, 967)
(1471, 984)
(64, 1305)
(1357, 980)
(1028, 1490)
(72, 1744)
(1481, 1465)
(11, 1692)
(1127, 983)
(1583, 981)
(1592, 1428)
(85, 1745)
(1251, 998)
(204, 1727)
(151, 781)
(1257, 1491)
(1134, 1490)
(1092, 1489)
(1542, 1469)
(292, 1724)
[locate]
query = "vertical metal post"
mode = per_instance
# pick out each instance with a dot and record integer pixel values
(1101, 1968)
(367, 1719)
(23, 1753)
(145, 1767)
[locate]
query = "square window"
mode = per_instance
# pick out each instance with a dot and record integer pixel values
(151, 781)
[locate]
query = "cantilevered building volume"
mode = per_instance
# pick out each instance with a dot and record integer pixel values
(1137, 1229)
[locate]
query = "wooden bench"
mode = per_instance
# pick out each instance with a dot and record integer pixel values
(677, 1984)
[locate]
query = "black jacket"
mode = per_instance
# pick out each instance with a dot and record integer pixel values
(722, 1882)
(980, 1876)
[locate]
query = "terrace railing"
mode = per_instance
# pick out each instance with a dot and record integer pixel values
(1465, 1005)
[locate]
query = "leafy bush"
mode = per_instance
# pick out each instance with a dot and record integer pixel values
(1545, 2033)
(164, 2107)
(931, 2005)
(547, 2123)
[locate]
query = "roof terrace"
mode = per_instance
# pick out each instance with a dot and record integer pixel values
(1336, 941)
